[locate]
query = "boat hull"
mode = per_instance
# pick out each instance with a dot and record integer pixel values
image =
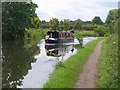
(59, 41)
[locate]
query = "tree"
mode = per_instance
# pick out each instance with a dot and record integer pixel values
(78, 24)
(102, 30)
(66, 25)
(44, 24)
(112, 16)
(87, 22)
(35, 22)
(61, 25)
(61, 22)
(16, 17)
(89, 27)
(112, 19)
(97, 20)
(54, 23)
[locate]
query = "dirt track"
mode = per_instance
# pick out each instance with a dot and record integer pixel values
(88, 75)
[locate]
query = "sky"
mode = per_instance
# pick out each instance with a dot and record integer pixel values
(85, 10)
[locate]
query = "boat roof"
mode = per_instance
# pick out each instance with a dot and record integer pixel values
(60, 31)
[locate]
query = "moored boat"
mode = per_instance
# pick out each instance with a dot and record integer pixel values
(58, 37)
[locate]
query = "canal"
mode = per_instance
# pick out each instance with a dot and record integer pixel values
(30, 66)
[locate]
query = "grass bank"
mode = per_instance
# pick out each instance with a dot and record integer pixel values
(108, 66)
(67, 74)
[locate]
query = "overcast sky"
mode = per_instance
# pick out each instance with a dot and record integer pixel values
(73, 9)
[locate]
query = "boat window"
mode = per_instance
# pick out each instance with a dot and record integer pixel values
(48, 33)
(65, 34)
(53, 34)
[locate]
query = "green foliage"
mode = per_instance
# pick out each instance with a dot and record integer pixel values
(71, 27)
(66, 24)
(61, 25)
(78, 24)
(35, 22)
(85, 33)
(16, 17)
(107, 34)
(108, 66)
(79, 37)
(66, 76)
(72, 24)
(87, 22)
(112, 19)
(44, 24)
(89, 27)
(54, 23)
(59, 64)
(33, 36)
(102, 30)
(112, 16)
(80, 34)
(97, 20)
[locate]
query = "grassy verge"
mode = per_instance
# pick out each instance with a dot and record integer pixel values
(66, 76)
(108, 66)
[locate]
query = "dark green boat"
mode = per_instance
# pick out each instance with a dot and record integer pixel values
(59, 37)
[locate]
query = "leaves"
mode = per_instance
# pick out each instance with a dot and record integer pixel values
(54, 23)
(78, 24)
(66, 24)
(112, 20)
(102, 30)
(16, 16)
(97, 20)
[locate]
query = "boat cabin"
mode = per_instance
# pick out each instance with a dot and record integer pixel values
(58, 36)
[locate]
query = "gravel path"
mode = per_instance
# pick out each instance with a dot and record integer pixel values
(89, 73)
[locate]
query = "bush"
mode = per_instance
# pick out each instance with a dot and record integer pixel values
(108, 65)
(85, 33)
(107, 34)
(33, 36)
(102, 30)
(89, 27)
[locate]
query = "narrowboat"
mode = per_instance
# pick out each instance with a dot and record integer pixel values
(59, 37)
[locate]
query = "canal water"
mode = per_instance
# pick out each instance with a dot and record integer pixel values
(30, 66)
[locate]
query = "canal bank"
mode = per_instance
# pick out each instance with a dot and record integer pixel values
(46, 61)
(66, 75)
(31, 66)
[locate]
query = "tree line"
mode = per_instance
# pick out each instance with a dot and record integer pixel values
(16, 17)
(67, 24)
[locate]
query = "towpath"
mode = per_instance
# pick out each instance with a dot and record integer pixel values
(89, 73)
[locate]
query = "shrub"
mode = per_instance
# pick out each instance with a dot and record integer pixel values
(86, 33)
(102, 30)
(89, 27)
(107, 34)
(108, 65)
(33, 36)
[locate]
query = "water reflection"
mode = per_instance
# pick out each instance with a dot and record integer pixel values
(16, 62)
(45, 63)
(58, 50)
(29, 65)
